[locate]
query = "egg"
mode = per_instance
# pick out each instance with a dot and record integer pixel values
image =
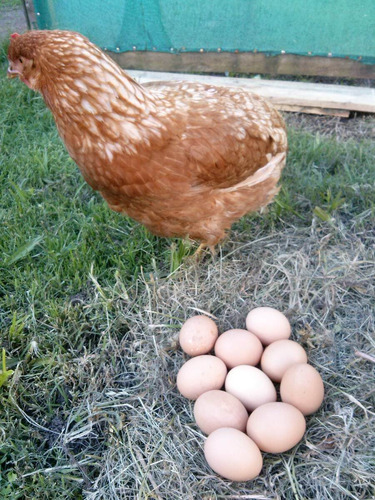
(250, 385)
(238, 347)
(215, 409)
(201, 374)
(302, 387)
(198, 335)
(268, 324)
(276, 427)
(279, 356)
(233, 455)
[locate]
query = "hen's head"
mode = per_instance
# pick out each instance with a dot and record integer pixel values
(39, 55)
(19, 64)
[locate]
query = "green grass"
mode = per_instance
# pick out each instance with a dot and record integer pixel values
(69, 265)
(10, 4)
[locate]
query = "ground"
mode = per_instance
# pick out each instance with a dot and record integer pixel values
(91, 305)
(358, 126)
(12, 19)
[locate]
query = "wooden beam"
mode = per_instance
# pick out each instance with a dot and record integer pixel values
(245, 62)
(313, 98)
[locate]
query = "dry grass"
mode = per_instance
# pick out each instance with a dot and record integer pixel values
(134, 421)
(359, 126)
(89, 320)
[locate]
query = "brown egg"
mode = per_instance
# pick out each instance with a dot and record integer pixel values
(233, 455)
(279, 356)
(238, 347)
(215, 409)
(250, 385)
(276, 427)
(198, 335)
(201, 374)
(302, 387)
(268, 324)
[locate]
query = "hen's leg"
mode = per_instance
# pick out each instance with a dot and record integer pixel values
(198, 254)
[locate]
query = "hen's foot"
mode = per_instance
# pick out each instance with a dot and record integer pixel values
(201, 251)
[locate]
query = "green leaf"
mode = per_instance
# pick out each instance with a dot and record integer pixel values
(4, 373)
(11, 476)
(16, 327)
(322, 214)
(23, 250)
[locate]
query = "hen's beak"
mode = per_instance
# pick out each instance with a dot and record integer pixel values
(12, 73)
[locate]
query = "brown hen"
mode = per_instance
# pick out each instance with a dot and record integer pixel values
(184, 159)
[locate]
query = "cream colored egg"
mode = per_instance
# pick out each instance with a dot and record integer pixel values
(198, 335)
(238, 347)
(302, 387)
(233, 455)
(215, 409)
(268, 324)
(279, 356)
(276, 427)
(201, 374)
(250, 385)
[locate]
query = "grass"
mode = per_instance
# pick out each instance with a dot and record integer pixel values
(91, 305)
(10, 4)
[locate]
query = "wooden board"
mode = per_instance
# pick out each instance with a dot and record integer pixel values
(342, 113)
(245, 62)
(290, 96)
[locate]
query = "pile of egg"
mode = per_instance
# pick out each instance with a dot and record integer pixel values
(234, 390)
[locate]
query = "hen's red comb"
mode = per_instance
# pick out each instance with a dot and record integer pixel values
(14, 35)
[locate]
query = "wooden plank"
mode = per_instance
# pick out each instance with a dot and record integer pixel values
(284, 94)
(245, 62)
(342, 113)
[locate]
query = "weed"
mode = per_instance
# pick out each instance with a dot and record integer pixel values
(4, 374)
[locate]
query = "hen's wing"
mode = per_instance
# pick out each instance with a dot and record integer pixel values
(223, 134)
(213, 137)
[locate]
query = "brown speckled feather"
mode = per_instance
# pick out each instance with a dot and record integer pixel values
(184, 159)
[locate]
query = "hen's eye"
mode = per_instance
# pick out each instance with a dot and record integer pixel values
(20, 60)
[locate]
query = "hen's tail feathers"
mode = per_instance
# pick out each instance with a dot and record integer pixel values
(272, 169)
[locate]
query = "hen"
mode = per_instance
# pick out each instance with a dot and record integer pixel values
(184, 159)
